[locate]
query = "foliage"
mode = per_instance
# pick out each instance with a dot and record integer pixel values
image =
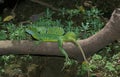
(107, 6)
(11, 62)
(92, 22)
(108, 67)
(83, 69)
(3, 35)
(103, 62)
(13, 32)
(71, 13)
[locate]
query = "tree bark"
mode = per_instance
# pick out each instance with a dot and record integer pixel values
(91, 45)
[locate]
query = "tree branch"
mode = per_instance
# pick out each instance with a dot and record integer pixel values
(91, 45)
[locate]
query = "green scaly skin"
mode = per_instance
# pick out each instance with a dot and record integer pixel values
(68, 37)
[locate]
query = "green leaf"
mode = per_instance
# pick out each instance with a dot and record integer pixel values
(97, 57)
(109, 66)
(8, 18)
(3, 35)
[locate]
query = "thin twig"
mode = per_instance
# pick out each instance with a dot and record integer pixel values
(45, 4)
(13, 10)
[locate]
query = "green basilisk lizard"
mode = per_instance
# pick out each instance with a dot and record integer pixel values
(56, 34)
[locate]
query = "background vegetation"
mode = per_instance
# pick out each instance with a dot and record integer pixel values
(83, 17)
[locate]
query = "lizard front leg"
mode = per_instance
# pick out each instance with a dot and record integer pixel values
(68, 61)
